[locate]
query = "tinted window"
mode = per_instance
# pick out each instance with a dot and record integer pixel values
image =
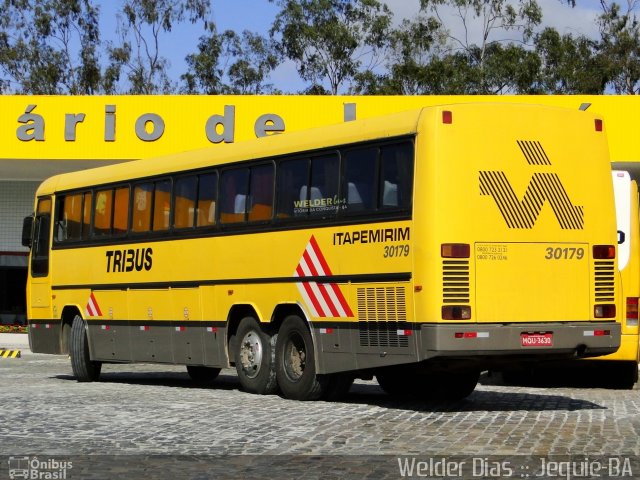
(293, 176)
(359, 184)
(69, 221)
(233, 195)
(322, 194)
(121, 211)
(161, 205)
(261, 193)
(186, 189)
(396, 179)
(142, 206)
(102, 211)
(207, 193)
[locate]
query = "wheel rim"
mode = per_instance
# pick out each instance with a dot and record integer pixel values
(295, 357)
(251, 354)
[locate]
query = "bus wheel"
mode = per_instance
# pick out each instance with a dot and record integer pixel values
(254, 358)
(455, 386)
(625, 375)
(83, 368)
(295, 362)
(395, 382)
(338, 386)
(200, 374)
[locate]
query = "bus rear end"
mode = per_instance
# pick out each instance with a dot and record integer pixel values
(517, 211)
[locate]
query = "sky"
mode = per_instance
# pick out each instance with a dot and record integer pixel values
(257, 16)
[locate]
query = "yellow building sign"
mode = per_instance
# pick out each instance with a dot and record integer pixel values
(131, 127)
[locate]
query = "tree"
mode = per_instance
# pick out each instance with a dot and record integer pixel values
(231, 63)
(141, 24)
(331, 39)
(620, 45)
(500, 31)
(570, 65)
(37, 53)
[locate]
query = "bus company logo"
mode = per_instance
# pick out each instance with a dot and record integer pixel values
(322, 299)
(543, 186)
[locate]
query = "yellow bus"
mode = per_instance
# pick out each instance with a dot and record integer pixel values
(625, 360)
(420, 247)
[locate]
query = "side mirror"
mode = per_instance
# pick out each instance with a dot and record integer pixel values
(27, 231)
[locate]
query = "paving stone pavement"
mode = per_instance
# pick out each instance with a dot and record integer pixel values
(155, 415)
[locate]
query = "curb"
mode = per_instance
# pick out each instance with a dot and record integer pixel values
(9, 353)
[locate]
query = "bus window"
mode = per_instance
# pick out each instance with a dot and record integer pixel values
(207, 192)
(40, 247)
(102, 212)
(292, 179)
(68, 222)
(161, 205)
(261, 190)
(142, 195)
(323, 191)
(396, 178)
(233, 195)
(86, 215)
(185, 202)
(121, 211)
(359, 183)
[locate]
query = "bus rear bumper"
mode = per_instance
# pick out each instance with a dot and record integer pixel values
(576, 339)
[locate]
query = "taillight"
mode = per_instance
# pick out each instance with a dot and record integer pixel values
(455, 250)
(447, 116)
(604, 252)
(456, 312)
(632, 311)
(604, 311)
(598, 125)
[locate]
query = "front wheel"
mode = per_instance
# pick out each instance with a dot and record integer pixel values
(83, 368)
(295, 362)
(254, 358)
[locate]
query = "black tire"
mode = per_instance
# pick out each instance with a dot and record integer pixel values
(254, 356)
(396, 382)
(338, 386)
(624, 375)
(453, 386)
(295, 362)
(200, 374)
(83, 368)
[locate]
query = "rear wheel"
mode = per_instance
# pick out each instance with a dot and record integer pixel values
(83, 368)
(202, 374)
(396, 382)
(295, 362)
(452, 386)
(338, 386)
(625, 374)
(254, 358)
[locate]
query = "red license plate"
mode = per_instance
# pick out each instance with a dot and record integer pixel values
(536, 339)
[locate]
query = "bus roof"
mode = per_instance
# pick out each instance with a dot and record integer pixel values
(391, 125)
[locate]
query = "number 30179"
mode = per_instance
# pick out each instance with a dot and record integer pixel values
(391, 251)
(564, 253)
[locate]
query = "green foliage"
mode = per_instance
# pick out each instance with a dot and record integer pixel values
(337, 46)
(330, 39)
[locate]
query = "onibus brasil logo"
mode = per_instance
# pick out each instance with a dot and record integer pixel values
(40, 469)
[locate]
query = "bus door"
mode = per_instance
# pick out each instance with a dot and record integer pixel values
(40, 284)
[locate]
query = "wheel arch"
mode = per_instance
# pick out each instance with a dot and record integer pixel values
(69, 312)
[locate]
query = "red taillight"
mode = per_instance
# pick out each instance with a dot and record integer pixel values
(632, 311)
(447, 117)
(455, 250)
(604, 252)
(456, 312)
(598, 125)
(604, 311)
